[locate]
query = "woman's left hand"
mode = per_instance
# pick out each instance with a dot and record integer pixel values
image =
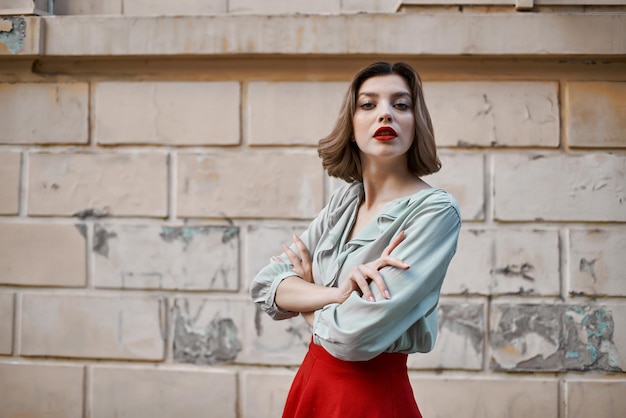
(302, 263)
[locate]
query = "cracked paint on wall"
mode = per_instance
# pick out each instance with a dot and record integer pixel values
(215, 342)
(465, 320)
(553, 338)
(13, 33)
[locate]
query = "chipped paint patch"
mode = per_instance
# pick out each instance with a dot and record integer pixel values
(13, 33)
(466, 320)
(215, 342)
(100, 240)
(554, 338)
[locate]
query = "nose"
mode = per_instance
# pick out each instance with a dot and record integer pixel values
(385, 114)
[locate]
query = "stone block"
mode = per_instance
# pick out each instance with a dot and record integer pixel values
(596, 262)
(558, 337)
(82, 7)
(595, 114)
(177, 8)
(560, 187)
(370, 6)
(486, 398)
(44, 113)
(279, 7)
(6, 322)
(494, 114)
(59, 252)
(460, 343)
(505, 261)
(207, 331)
(9, 182)
(163, 392)
(265, 241)
(595, 398)
(166, 257)
(100, 327)
(292, 113)
(20, 35)
(37, 390)
(96, 185)
(462, 175)
(272, 342)
(166, 112)
(261, 184)
(264, 392)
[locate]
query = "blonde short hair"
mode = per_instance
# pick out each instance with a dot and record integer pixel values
(340, 155)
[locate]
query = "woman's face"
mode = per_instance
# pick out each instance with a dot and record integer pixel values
(383, 121)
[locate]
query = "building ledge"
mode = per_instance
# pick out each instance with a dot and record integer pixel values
(437, 34)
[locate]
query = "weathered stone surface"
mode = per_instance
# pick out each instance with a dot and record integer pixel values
(272, 7)
(266, 185)
(596, 262)
(268, 341)
(206, 331)
(265, 241)
(95, 185)
(595, 114)
(81, 7)
(494, 114)
(557, 337)
(43, 254)
(9, 182)
(460, 343)
(174, 8)
(434, 34)
(6, 322)
(586, 187)
(29, 390)
(20, 35)
(292, 112)
(505, 261)
(264, 392)
(44, 113)
(595, 398)
(462, 175)
(167, 112)
(370, 6)
(273, 342)
(486, 398)
(110, 327)
(163, 392)
(166, 257)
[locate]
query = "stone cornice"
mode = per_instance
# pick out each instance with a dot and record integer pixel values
(436, 34)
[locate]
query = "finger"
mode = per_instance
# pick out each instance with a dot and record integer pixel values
(394, 243)
(393, 262)
(277, 259)
(293, 257)
(377, 278)
(361, 281)
(304, 253)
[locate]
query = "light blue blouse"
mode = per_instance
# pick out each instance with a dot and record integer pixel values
(359, 329)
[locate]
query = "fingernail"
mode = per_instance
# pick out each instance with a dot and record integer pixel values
(371, 299)
(387, 294)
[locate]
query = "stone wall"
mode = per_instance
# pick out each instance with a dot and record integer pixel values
(151, 164)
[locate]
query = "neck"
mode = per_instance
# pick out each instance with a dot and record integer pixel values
(385, 182)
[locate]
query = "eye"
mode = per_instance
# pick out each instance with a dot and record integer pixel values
(402, 106)
(367, 105)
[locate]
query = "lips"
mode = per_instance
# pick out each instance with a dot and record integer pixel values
(385, 133)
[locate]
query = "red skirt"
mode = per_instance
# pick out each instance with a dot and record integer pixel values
(326, 387)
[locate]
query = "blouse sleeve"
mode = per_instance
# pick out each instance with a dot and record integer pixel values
(360, 330)
(265, 283)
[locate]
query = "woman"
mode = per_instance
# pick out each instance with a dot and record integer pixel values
(367, 273)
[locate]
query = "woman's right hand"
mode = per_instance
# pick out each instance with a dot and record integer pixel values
(359, 277)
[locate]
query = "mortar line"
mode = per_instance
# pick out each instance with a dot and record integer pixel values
(17, 323)
(87, 398)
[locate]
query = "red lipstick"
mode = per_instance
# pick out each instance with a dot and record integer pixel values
(385, 133)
